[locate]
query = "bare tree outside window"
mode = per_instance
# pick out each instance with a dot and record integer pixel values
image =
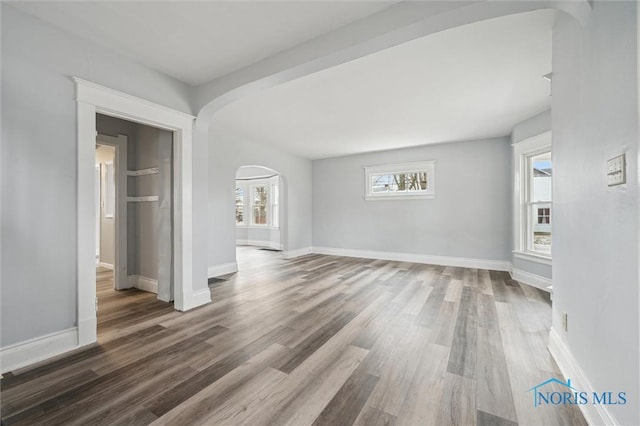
(260, 205)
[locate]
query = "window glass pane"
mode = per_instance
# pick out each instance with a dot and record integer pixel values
(239, 205)
(399, 182)
(540, 231)
(260, 205)
(540, 186)
(541, 170)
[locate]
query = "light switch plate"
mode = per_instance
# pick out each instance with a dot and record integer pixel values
(616, 171)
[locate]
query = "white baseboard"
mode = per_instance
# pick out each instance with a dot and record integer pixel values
(259, 243)
(533, 280)
(197, 298)
(106, 265)
(465, 262)
(223, 269)
(31, 351)
(594, 414)
(290, 254)
(143, 283)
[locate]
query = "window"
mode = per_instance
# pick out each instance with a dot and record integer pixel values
(257, 202)
(239, 205)
(533, 199)
(275, 212)
(400, 181)
(539, 200)
(260, 204)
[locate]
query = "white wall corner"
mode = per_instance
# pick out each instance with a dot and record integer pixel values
(197, 298)
(594, 414)
(533, 280)
(464, 262)
(31, 351)
(290, 254)
(222, 269)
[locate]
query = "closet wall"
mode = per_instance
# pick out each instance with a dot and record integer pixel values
(149, 204)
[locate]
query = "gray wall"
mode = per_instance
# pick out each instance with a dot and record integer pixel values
(595, 254)
(228, 151)
(142, 223)
(533, 126)
(144, 220)
(470, 216)
(39, 164)
(105, 154)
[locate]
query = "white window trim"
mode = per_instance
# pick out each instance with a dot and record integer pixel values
(92, 98)
(422, 166)
(521, 151)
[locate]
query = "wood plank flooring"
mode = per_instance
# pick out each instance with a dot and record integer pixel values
(317, 340)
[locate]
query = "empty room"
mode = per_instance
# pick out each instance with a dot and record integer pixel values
(320, 212)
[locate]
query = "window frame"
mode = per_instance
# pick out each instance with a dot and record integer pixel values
(427, 167)
(248, 202)
(523, 206)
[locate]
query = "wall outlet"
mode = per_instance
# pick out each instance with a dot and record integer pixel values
(565, 321)
(616, 171)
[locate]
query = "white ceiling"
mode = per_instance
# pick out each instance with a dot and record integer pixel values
(470, 82)
(198, 41)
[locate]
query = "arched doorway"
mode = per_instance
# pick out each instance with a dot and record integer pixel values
(260, 217)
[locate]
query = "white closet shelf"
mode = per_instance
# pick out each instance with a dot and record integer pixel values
(142, 199)
(142, 172)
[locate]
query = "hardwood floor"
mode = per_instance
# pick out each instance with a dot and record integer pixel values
(316, 340)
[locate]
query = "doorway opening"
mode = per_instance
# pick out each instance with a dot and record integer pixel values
(134, 211)
(259, 215)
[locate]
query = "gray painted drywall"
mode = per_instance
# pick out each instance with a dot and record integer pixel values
(251, 172)
(595, 254)
(532, 267)
(535, 125)
(229, 150)
(39, 164)
(146, 213)
(470, 216)
(105, 154)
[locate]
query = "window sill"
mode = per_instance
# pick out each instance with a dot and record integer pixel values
(399, 197)
(273, 228)
(533, 257)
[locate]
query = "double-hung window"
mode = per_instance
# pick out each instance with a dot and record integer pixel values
(533, 198)
(260, 203)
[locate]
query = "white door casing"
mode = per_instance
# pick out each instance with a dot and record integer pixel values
(91, 99)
